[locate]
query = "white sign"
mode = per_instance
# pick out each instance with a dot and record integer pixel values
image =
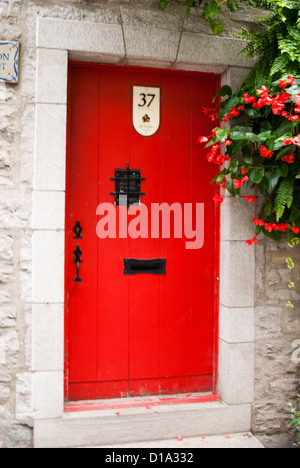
(9, 62)
(146, 110)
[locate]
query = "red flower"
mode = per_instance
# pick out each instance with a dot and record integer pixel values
(293, 118)
(250, 199)
(249, 99)
(297, 99)
(277, 108)
(203, 139)
(224, 183)
(237, 183)
(265, 153)
(217, 199)
(289, 159)
(290, 80)
(258, 222)
(252, 241)
(214, 157)
(263, 91)
(282, 84)
(295, 230)
(292, 141)
(282, 227)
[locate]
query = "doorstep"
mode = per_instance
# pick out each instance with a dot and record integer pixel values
(105, 424)
(240, 440)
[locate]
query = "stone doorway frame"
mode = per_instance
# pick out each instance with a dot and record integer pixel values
(59, 41)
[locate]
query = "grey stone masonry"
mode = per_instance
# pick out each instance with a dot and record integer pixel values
(32, 185)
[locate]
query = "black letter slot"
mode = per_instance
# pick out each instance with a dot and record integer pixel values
(155, 266)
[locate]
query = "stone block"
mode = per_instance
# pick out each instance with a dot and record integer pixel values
(48, 337)
(50, 147)
(150, 19)
(24, 396)
(236, 372)
(237, 281)
(48, 395)
(8, 315)
(236, 219)
(48, 267)
(200, 48)
(151, 44)
(17, 436)
(52, 67)
(80, 36)
(236, 325)
(49, 210)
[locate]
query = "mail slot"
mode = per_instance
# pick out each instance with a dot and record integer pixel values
(155, 266)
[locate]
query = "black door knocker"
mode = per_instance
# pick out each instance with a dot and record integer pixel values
(77, 254)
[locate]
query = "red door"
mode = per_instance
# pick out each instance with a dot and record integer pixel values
(138, 328)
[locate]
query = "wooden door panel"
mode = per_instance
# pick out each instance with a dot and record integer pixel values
(138, 334)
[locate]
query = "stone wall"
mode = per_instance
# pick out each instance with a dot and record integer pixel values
(276, 375)
(277, 363)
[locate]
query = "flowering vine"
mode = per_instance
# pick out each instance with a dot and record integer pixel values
(258, 147)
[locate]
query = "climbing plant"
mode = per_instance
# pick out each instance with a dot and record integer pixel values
(277, 46)
(262, 137)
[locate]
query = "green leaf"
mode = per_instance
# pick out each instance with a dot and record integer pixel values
(257, 175)
(264, 135)
(222, 134)
(275, 235)
(237, 135)
(163, 4)
(253, 113)
(266, 125)
(226, 106)
(225, 91)
(232, 5)
(217, 28)
(234, 166)
(297, 176)
(286, 150)
(272, 177)
(247, 155)
(211, 10)
(286, 127)
(266, 210)
(284, 196)
(231, 189)
(252, 137)
(284, 170)
(292, 284)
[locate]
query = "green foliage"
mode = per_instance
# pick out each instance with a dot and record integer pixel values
(296, 422)
(284, 197)
(263, 152)
(277, 47)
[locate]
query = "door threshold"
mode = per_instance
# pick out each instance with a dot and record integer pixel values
(135, 402)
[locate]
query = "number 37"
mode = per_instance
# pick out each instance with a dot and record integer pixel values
(145, 101)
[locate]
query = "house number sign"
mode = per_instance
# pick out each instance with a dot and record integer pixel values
(146, 110)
